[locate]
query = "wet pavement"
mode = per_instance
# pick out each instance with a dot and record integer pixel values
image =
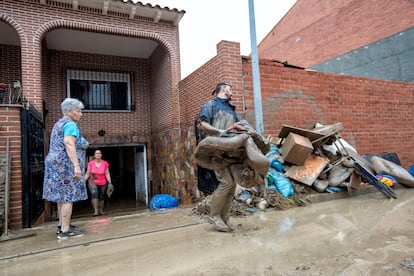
(363, 234)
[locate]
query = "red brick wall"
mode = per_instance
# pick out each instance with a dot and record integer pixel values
(196, 88)
(32, 21)
(377, 115)
(10, 117)
(161, 100)
(114, 123)
(316, 30)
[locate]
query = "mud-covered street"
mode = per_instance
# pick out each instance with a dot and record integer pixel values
(359, 235)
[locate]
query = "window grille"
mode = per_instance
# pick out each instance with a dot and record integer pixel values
(100, 90)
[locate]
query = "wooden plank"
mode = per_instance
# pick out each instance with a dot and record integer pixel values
(311, 135)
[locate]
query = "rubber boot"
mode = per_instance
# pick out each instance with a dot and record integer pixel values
(216, 207)
(226, 219)
(228, 205)
(95, 207)
(101, 206)
(226, 210)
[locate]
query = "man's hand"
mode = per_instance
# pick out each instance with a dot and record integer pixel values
(236, 126)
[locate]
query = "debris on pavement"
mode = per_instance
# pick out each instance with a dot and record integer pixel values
(304, 162)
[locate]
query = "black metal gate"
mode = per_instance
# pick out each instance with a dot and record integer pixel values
(32, 165)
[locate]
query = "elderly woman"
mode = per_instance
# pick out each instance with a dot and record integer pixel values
(64, 179)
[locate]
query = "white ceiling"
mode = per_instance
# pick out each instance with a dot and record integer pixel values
(85, 42)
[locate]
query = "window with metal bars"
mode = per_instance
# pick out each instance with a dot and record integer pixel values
(100, 90)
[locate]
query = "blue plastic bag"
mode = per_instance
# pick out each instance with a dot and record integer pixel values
(274, 162)
(411, 170)
(280, 183)
(333, 189)
(162, 201)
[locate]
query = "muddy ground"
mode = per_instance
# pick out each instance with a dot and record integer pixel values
(359, 235)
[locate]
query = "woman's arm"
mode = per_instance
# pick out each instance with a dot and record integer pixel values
(69, 142)
(88, 173)
(108, 175)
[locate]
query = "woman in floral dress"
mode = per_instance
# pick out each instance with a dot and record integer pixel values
(64, 179)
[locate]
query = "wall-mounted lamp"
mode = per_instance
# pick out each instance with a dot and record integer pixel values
(101, 132)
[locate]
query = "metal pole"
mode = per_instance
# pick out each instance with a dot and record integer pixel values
(255, 71)
(256, 79)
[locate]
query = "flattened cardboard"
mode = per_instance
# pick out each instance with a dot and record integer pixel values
(309, 171)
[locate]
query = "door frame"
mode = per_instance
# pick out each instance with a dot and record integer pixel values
(141, 175)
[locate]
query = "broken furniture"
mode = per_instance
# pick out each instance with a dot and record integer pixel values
(319, 163)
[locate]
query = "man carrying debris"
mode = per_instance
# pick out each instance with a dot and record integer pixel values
(218, 118)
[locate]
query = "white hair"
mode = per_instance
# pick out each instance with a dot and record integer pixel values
(70, 104)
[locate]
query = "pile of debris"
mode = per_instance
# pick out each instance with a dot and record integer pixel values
(312, 161)
(249, 201)
(321, 159)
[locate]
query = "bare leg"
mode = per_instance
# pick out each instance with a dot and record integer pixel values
(66, 214)
(59, 210)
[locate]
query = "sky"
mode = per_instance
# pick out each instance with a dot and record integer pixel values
(208, 22)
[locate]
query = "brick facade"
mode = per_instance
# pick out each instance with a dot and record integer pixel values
(41, 71)
(376, 114)
(10, 132)
(115, 124)
(314, 31)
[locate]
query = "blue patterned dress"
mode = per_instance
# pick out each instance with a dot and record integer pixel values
(59, 185)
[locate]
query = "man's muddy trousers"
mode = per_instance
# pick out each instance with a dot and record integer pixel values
(222, 200)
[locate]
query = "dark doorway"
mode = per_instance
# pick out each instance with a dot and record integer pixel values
(122, 162)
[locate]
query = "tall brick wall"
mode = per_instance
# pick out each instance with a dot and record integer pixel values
(377, 115)
(161, 106)
(196, 88)
(11, 129)
(316, 30)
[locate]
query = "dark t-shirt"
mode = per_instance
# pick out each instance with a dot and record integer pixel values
(219, 113)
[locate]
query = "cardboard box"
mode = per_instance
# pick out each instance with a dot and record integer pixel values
(296, 149)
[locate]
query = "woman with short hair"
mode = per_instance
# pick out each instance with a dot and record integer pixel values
(64, 179)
